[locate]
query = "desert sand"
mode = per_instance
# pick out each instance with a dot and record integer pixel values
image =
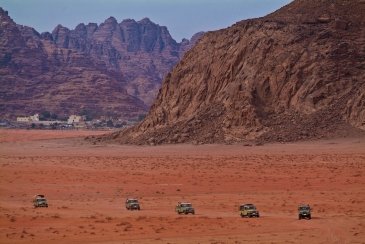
(86, 186)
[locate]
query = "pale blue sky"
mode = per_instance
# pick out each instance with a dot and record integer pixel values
(183, 18)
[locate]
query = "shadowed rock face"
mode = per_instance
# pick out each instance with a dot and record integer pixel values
(295, 74)
(142, 51)
(113, 69)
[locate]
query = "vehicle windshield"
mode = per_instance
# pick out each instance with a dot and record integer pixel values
(248, 207)
(186, 205)
(304, 208)
(41, 200)
(133, 201)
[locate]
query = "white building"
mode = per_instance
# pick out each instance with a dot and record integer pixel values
(34, 118)
(74, 119)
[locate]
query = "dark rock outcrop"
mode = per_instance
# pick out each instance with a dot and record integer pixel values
(295, 74)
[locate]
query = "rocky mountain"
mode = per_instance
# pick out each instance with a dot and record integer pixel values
(295, 74)
(111, 69)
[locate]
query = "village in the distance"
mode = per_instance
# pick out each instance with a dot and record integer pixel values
(47, 120)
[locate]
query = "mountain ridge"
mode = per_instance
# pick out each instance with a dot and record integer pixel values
(295, 74)
(112, 69)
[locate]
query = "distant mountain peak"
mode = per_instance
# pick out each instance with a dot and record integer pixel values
(59, 27)
(80, 26)
(111, 20)
(2, 11)
(146, 21)
(128, 21)
(4, 15)
(94, 67)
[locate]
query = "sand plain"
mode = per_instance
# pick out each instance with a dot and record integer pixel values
(86, 186)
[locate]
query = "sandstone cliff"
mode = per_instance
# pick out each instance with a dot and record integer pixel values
(295, 74)
(112, 69)
(142, 51)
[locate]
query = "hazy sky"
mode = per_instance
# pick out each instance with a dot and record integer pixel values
(183, 18)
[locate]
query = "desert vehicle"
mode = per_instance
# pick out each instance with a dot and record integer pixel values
(40, 201)
(184, 208)
(132, 204)
(249, 210)
(304, 211)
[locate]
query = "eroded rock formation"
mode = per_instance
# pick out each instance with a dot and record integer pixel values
(111, 69)
(295, 74)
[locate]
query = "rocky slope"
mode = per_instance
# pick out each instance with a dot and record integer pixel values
(295, 74)
(111, 69)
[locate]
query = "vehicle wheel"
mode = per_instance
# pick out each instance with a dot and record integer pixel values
(193, 213)
(299, 217)
(241, 215)
(258, 216)
(186, 213)
(139, 209)
(309, 217)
